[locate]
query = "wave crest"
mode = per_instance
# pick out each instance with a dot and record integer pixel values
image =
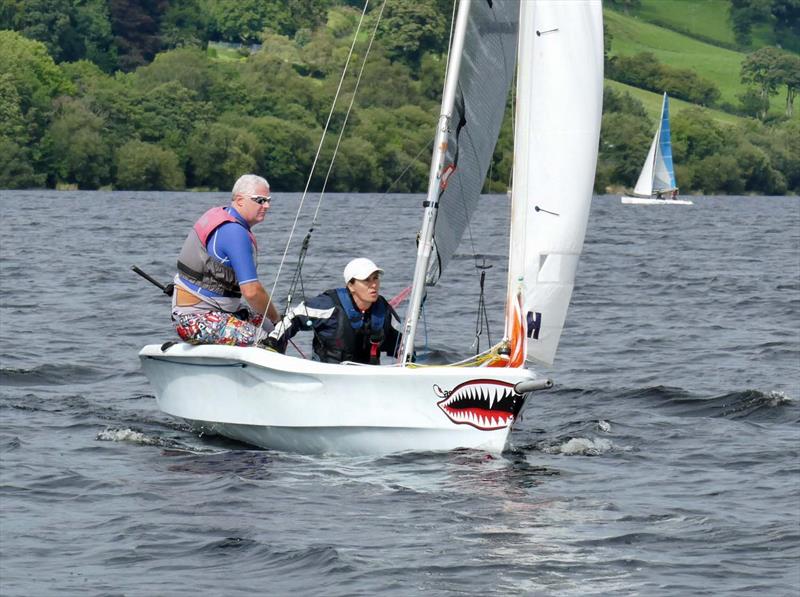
(581, 446)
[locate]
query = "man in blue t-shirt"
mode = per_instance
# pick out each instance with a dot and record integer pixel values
(217, 269)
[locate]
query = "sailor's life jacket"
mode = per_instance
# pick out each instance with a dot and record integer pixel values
(198, 267)
(341, 331)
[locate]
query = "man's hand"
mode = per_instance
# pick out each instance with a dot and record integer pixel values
(270, 343)
(258, 299)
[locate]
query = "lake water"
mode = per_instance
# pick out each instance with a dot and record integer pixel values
(664, 462)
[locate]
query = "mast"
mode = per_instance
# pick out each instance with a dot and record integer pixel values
(431, 203)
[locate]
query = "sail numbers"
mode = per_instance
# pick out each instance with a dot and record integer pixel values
(534, 321)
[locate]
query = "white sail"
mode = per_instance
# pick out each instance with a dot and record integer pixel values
(644, 186)
(559, 110)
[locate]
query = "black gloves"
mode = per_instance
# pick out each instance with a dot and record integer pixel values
(270, 343)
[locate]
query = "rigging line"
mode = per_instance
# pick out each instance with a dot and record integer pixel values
(486, 322)
(449, 45)
(410, 163)
(478, 327)
(305, 306)
(316, 157)
(297, 272)
(472, 239)
(480, 270)
(347, 114)
(469, 231)
(482, 318)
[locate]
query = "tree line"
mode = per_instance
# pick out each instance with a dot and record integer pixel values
(193, 118)
(782, 16)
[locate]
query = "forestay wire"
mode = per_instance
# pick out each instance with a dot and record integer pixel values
(301, 259)
(349, 108)
(433, 138)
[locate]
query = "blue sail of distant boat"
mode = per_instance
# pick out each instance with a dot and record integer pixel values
(658, 174)
(665, 144)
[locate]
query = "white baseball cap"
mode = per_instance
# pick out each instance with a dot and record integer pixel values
(360, 269)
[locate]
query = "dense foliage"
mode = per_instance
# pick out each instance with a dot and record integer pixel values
(106, 93)
(645, 71)
(771, 69)
(783, 16)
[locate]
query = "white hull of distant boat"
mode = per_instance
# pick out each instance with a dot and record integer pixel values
(285, 403)
(627, 199)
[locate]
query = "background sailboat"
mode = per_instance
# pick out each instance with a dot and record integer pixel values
(284, 402)
(656, 183)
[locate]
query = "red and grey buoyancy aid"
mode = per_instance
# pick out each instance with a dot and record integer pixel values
(358, 337)
(198, 267)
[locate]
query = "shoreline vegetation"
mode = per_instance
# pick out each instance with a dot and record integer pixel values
(190, 97)
(611, 191)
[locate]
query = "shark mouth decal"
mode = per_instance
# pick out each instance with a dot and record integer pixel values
(483, 403)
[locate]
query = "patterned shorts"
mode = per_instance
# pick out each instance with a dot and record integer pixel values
(216, 327)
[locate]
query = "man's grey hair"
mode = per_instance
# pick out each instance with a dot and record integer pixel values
(246, 185)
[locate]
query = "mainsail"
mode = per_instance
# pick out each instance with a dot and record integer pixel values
(658, 174)
(559, 110)
(479, 73)
(485, 76)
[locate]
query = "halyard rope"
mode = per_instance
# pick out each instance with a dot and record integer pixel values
(316, 157)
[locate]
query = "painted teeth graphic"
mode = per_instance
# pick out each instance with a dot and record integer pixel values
(483, 403)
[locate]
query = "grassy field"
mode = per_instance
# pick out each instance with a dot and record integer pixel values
(704, 19)
(224, 53)
(652, 103)
(631, 35)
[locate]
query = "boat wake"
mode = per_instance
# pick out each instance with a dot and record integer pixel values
(49, 375)
(580, 446)
(131, 436)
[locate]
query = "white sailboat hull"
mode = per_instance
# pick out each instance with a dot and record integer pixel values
(285, 403)
(627, 199)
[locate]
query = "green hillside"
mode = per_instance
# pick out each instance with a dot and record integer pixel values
(640, 32)
(706, 20)
(652, 103)
(632, 36)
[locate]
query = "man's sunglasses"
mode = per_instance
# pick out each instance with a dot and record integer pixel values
(261, 199)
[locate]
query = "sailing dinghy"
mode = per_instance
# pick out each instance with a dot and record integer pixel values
(288, 403)
(656, 184)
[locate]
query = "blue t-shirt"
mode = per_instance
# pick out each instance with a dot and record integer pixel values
(230, 244)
